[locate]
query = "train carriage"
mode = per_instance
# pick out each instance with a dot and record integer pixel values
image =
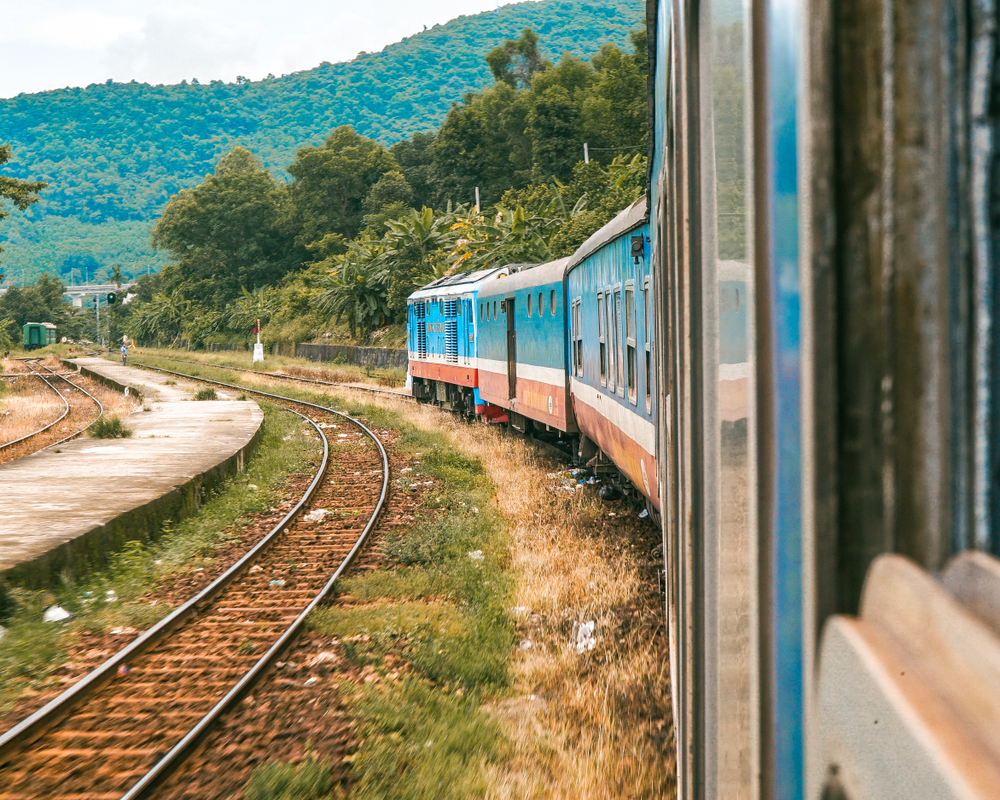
(441, 339)
(38, 334)
(522, 350)
(610, 340)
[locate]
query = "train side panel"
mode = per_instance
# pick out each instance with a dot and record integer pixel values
(611, 339)
(441, 338)
(522, 351)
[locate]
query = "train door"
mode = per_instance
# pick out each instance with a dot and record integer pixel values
(467, 332)
(508, 306)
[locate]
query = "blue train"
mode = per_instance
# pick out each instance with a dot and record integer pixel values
(791, 350)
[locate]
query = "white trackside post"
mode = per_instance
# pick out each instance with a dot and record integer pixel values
(258, 349)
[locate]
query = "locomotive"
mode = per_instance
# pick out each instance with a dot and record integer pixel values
(790, 350)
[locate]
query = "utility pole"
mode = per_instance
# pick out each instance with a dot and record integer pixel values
(477, 199)
(586, 154)
(97, 311)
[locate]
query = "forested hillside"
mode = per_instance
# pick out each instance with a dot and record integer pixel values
(114, 154)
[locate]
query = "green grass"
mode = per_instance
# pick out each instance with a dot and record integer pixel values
(444, 612)
(439, 609)
(35, 649)
(109, 428)
(390, 376)
(310, 780)
(207, 393)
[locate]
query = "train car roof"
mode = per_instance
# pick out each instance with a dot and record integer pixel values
(538, 275)
(455, 284)
(626, 221)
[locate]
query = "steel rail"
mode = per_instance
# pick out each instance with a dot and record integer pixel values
(163, 767)
(54, 422)
(100, 407)
(401, 395)
(60, 706)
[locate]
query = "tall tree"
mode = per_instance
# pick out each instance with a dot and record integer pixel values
(516, 61)
(332, 181)
(224, 233)
(21, 193)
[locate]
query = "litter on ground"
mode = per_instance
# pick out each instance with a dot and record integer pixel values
(56, 614)
(583, 634)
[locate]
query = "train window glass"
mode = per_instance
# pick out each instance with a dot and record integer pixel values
(440, 306)
(540, 307)
(723, 348)
(528, 303)
(617, 332)
(648, 374)
(494, 309)
(630, 344)
(577, 336)
(602, 339)
(552, 302)
(480, 312)
(609, 328)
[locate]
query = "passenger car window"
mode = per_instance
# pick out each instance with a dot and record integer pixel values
(603, 344)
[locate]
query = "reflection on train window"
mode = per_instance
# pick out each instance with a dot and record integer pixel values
(609, 328)
(441, 306)
(528, 303)
(603, 355)
(630, 343)
(648, 346)
(617, 330)
(577, 337)
(494, 309)
(540, 307)
(552, 301)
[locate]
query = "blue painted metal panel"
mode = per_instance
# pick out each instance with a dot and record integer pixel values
(786, 680)
(612, 267)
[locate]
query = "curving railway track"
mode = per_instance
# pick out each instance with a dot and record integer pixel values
(122, 729)
(78, 407)
(283, 376)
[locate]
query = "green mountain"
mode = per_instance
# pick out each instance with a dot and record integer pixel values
(114, 153)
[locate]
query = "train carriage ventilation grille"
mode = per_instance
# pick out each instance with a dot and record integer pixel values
(451, 340)
(422, 340)
(451, 308)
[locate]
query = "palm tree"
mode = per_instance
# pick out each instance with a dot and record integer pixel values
(356, 288)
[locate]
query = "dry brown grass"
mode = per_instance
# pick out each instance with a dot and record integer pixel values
(29, 404)
(595, 725)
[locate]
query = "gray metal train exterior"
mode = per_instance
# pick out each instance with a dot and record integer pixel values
(830, 519)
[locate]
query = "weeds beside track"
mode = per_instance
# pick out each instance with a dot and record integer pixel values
(151, 702)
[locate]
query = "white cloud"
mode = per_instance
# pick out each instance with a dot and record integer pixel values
(49, 44)
(78, 29)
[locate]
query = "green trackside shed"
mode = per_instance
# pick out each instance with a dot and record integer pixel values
(38, 334)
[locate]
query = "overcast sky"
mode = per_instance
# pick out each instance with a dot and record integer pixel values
(50, 44)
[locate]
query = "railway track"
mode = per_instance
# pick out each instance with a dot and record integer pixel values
(48, 435)
(283, 376)
(122, 729)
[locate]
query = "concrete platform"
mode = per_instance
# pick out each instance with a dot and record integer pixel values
(69, 510)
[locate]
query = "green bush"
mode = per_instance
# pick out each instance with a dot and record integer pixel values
(206, 394)
(310, 780)
(110, 428)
